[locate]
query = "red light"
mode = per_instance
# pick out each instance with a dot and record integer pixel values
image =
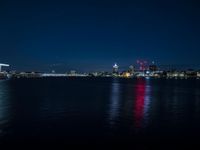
(139, 103)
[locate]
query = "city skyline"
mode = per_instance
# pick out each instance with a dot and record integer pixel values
(139, 66)
(45, 35)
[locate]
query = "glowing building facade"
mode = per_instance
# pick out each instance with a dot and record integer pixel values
(115, 69)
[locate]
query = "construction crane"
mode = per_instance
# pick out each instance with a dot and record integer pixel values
(3, 65)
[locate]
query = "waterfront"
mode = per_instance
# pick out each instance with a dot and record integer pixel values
(100, 111)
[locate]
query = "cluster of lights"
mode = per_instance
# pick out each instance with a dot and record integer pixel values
(116, 66)
(142, 65)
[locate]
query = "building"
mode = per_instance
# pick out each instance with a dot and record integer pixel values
(153, 68)
(191, 73)
(27, 75)
(72, 72)
(126, 74)
(131, 69)
(198, 74)
(115, 69)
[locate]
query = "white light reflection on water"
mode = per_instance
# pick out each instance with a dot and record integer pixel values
(4, 105)
(147, 101)
(114, 102)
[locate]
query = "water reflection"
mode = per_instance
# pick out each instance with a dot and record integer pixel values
(114, 102)
(103, 109)
(147, 102)
(142, 102)
(4, 105)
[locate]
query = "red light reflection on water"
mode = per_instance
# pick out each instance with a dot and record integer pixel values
(139, 102)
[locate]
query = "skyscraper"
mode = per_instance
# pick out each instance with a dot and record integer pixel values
(115, 68)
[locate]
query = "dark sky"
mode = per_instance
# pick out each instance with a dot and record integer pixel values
(93, 35)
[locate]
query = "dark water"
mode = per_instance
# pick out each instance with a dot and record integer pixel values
(136, 113)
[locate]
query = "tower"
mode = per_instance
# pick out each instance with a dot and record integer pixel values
(115, 68)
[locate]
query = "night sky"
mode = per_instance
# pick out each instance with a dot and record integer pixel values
(92, 35)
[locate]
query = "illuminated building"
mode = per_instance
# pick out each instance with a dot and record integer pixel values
(72, 72)
(126, 75)
(198, 74)
(115, 69)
